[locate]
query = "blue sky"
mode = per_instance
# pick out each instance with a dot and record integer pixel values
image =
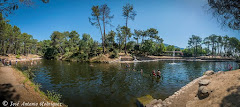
(176, 20)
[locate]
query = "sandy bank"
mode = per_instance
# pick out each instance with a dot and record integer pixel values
(14, 58)
(224, 92)
(15, 87)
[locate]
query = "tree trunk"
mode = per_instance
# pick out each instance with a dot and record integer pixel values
(104, 33)
(101, 33)
(126, 37)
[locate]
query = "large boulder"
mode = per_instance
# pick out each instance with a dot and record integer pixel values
(204, 82)
(203, 92)
(210, 72)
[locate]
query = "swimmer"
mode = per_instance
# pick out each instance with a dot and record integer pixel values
(153, 73)
(158, 73)
(141, 71)
(229, 67)
(127, 65)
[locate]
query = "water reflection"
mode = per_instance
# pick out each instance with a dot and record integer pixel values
(115, 84)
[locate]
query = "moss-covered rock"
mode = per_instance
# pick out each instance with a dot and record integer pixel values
(143, 101)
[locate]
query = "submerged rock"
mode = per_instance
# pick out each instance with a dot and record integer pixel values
(208, 73)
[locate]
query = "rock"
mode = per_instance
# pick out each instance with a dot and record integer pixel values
(203, 92)
(208, 73)
(204, 82)
(153, 102)
(160, 101)
(148, 105)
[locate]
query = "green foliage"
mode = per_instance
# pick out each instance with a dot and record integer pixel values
(148, 47)
(12, 41)
(160, 48)
(221, 45)
(130, 45)
(53, 96)
(170, 48)
(50, 53)
(227, 12)
(17, 56)
(29, 74)
(187, 52)
(101, 13)
(110, 39)
(195, 42)
(114, 54)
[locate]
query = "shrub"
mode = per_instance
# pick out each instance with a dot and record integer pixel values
(53, 96)
(114, 54)
(29, 74)
(17, 56)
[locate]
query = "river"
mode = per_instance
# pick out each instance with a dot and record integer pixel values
(100, 84)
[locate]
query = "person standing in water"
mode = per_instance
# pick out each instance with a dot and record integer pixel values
(127, 65)
(158, 74)
(141, 72)
(230, 67)
(153, 73)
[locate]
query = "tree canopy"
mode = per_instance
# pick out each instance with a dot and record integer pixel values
(227, 12)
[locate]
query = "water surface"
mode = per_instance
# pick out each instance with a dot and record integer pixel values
(84, 84)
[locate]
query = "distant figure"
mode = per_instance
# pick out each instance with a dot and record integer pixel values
(141, 72)
(4, 62)
(153, 73)
(10, 62)
(127, 65)
(16, 62)
(158, 74)
(229, 67)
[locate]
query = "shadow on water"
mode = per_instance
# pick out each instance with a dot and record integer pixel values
(232, 100)
(8, 93)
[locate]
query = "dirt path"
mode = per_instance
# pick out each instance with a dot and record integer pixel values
(13, 88)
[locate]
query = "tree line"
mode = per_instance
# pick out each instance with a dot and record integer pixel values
(214, 45)
(13, 41)
(68, 45)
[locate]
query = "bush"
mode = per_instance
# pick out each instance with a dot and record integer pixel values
(17, 56)
(114, 54)
(67, 55)
(53, 96)
(83, 56)
(29, 74)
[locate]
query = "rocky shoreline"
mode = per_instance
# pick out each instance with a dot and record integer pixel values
(170, 99)
(211, 89)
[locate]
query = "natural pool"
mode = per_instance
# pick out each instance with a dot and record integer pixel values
(98, 84)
